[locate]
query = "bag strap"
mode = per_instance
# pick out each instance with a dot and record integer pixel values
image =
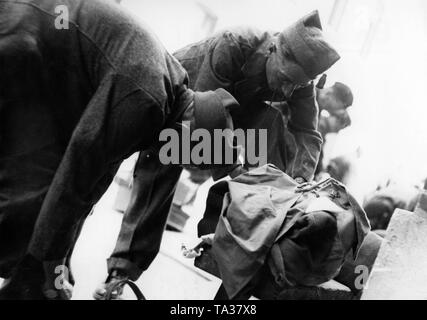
(117, 285)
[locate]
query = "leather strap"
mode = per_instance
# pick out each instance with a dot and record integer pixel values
(116, 285)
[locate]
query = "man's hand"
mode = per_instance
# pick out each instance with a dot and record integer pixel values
(101, 291)
(64, 293)
(303, 185)
(237, 172)
(300, 180)
(56, 285)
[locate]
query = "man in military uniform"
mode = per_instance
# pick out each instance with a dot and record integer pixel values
(74, 103)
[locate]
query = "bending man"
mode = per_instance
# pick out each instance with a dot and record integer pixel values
(76, 99)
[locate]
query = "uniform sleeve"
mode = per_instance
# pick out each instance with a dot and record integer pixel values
(218, 172)
(222, 64)
(303, 125)
(146, 216)
(111, 129)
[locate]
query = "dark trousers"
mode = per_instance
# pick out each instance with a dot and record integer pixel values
(30, 152)
(27, 177)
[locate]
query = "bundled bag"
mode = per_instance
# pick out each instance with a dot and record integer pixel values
(272, 235)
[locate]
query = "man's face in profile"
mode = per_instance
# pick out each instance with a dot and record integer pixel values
(327, 100)
(334, 124)
(278, 81)
(334, 113)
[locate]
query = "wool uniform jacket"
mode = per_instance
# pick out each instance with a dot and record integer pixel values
(74, 103)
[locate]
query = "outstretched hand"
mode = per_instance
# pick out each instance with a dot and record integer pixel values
(303, 185)
(300, 180)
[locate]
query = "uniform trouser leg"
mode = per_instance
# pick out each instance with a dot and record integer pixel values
(101, 140)
(145, 218)
(24, 182)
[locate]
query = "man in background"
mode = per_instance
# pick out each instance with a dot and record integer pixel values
(381, 204)
(333, 104)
